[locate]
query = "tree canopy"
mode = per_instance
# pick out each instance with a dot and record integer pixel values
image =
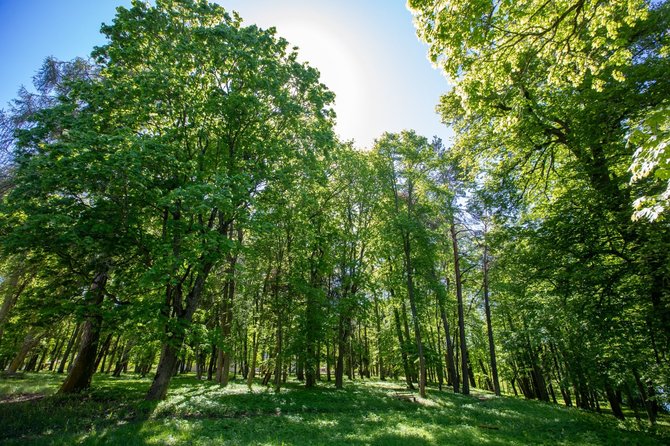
(179, 202)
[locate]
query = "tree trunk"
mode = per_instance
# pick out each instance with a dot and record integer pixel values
(328, 377)
(461, 314)
(613, 399)
(175, 333)
(254, 355)
(279, 355)
(14, 285)
(401, 341)
(342, 338)
(380, 359)
(489, 325)
(103, 351)
(565, 391)
(167, 366)
(81, 373)
(55, 354)
(70, 346)
(649, 404)
(29, 342)
(451, 367)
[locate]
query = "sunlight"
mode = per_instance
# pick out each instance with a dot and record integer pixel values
(334, 55)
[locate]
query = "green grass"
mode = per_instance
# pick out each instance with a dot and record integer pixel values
(201, 413)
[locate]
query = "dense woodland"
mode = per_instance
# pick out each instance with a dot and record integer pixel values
(178, 202)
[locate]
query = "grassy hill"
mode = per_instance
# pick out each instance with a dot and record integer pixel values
(364, 413)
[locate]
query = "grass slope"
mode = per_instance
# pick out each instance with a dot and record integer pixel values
(201, 413)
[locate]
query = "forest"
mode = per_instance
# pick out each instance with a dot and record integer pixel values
(177, 205)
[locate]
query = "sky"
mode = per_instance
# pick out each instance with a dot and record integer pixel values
(366, 51)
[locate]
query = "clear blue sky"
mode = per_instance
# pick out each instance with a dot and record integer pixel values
(366, 50)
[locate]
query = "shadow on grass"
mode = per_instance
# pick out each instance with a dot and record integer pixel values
(363, 413)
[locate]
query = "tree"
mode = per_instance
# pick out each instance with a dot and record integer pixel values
(188, 119)
(544, 96)
(405, 163)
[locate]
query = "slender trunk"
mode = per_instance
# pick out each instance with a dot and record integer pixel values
(328, 361)
(212, 363)
(565, 391)
(122, 363)
(461, 315)
(313, 318)
(15, 284)
(648, 403)
(489, 325)
(342, 338)
(29, 342)
(553, 394)
(81, 373)
(223, 359)
(70, 346)
(254, 355)
(350, 353)
(112, 357)
(55, 354)
(614, 401)
(401, 341)
(405, 324)
(175, 332)
(103, 350)
(256, 336)
(278, 356)
(471, 373)
(380, 359)
(631, 402)
(451, 367)
(415, 316)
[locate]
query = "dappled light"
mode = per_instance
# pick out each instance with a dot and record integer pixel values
(194, 251)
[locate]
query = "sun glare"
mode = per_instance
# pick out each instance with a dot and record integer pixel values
(340, 69)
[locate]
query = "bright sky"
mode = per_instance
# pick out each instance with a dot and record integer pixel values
(366, 50)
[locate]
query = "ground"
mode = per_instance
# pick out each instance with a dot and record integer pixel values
(364, 413)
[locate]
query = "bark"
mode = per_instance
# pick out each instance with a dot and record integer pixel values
(226, 321)
(112, 357)
(415, 315)
(55, 354)
(328, 377)
(254, 355)
(70, 346)
(489, 325)
(380, 359)
(279, 355)
(122, 362)
(342, 340)
(14, 286)
(405, 324)
(313, 318)
(614, 401)
(649, 403)
(461, 314)
(401, 341)
(167, 365)
(29, 342)
(451, 366)
(565, 391)
(103, 350)
(81, 373)
(212, 363)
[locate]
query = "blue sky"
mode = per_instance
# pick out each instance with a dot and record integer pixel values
(366, 50)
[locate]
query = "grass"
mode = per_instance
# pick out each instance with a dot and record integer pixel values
(364, 413)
